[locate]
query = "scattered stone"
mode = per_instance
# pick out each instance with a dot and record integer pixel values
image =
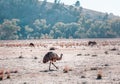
(106, 52)
(94, 55)
(106, 64)
(65, 70)
(83, 77)
(84, 82)
(31, 50)
(20, 57)
(113, 79)
(13, 52)
(8, 76)
(118, 53)
(70, 69)
(15, 71)
(83, 49)
(25, 83)
(39, 61)
(113, 49)
(46, 71)
(52, 48)
(94, 68)
(35, 58)
(99, 75)
(79, 54)
(87, 54)
(85, 70)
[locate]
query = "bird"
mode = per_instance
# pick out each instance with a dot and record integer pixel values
(92, 43)
(31, 45)
(52, 57)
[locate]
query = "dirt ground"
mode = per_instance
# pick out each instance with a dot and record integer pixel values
(83, 62)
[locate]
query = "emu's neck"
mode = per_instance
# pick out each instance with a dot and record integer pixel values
(60, 57)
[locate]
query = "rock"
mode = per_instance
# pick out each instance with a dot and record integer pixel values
(52, 48)
(20, 57)
(113, 49)
(94, 55)
(106, 64)
(94, 68)
(35, 58)
(99, 76)
(79, 54)
(83, 77)
(106, 52)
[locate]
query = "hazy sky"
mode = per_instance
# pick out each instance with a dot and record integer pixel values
(109, 6)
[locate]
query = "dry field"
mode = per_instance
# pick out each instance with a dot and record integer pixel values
(83, 63)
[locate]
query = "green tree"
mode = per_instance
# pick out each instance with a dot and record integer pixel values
(41, 27)
(71, 29)
(115, 27)
(28, 32)
(59, 29)
(77, 3)
(80, 33)
(9, 29)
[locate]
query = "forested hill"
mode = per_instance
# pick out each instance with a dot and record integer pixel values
(33, 19)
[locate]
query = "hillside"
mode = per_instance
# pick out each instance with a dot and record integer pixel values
(32, 19)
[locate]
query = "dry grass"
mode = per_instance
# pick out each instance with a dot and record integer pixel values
(80, 64)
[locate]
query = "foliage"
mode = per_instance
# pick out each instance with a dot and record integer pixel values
(32, 19)
(9, 29)
(77, 4)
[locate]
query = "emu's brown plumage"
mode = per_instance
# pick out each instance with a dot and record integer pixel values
(52, 57)
(31, 45)
(92, 43)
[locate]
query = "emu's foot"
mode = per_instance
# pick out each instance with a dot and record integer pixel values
(51, 70)
(57, 68)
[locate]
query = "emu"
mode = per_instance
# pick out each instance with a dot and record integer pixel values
(52, 57)
(31, 45)
(92, 43)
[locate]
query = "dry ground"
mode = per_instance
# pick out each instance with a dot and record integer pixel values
(85, 61)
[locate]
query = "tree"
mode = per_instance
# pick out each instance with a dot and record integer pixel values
(9, 29)
(77, 3)
(71, 28)
(55, 1)
(41, 27)
(115, 27)
(28, 32)
(59, 29)
(80, 33)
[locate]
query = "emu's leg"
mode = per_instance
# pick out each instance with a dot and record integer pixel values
(49, 66)
(54, 65)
